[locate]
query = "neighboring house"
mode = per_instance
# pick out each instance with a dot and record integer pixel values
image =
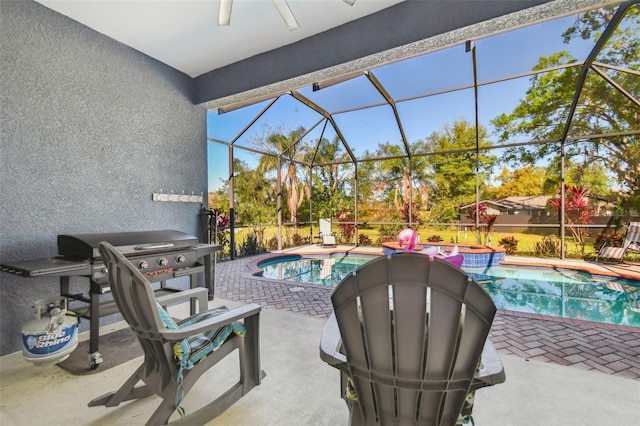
(529, 205)
(536, 206)
(606, 206)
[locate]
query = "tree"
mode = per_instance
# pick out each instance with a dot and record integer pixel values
(452, 176)
(255, 198)
(330, 181)
(254, 195)
(601, 109)
(294, 189)
(594, 177)
(391, 177)
(397, 180)
(525, 181)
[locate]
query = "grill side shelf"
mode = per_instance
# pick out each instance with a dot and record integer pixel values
(51, 267)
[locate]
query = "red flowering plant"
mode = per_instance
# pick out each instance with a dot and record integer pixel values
(222, 220)
(483, 217)
(411, 215)
(577, 211)
(346, 225)
(222, 227)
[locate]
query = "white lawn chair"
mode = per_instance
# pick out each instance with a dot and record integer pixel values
(631, 243)
(327, 238)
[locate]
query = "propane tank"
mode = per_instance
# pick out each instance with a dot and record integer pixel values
(50, 336)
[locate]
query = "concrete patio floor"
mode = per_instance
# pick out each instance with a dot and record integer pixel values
(299, 389)
(558, 372)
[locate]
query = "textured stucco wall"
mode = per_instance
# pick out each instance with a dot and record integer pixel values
(90, 129)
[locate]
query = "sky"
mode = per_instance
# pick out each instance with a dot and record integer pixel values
(502, 55)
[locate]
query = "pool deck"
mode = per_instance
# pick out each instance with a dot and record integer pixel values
(610, 349)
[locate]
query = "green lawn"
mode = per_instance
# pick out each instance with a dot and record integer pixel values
(526, 242)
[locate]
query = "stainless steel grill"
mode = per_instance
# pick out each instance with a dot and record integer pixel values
(159, 255)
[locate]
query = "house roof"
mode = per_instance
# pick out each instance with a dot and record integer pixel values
(534, 201)
(514, 203)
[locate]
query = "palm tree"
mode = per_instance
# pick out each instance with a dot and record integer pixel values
(396, 174)
(295, 190)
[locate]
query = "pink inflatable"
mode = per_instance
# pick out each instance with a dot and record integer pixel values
(430, 251)
(409, 237)
(456, 259)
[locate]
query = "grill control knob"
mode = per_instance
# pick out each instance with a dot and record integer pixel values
(143, 264)
(163, 261)
(180, 259)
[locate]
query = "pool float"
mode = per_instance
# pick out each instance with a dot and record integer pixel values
(410, 237)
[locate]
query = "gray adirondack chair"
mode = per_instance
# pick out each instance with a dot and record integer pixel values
(409, 336)
(204, 333)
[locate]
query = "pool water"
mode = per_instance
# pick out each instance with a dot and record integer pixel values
(324, 270)
(562, 293)
(544, 291)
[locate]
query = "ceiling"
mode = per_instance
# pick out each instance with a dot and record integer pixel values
(184, 33)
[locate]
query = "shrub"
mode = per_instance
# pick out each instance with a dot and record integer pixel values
(346, 229)
(251, 245)
(273, 243)
(385, 239)
(510, 244)
(390, 231)
(614, 240)
(415, 212)
(548, 247)
(577, 212)
(364, 240)
(298, 240)
(484, 217)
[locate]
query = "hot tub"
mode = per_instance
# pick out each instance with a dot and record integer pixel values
(475, 255)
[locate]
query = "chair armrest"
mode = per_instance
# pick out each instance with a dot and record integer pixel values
(491, 369)
(200, 293)
(632, 243)
(221, 320)
(331, 343)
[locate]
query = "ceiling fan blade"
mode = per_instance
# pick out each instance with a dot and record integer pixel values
(224, 12)
(287, 15)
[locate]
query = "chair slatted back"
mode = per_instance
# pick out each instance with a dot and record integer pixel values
(413, 331)
(132, 293)
(632, 237)
(136, 301)
(325, 226)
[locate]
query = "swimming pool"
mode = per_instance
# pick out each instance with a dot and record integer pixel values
(545, 291)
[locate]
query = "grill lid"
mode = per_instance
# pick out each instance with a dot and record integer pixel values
(85, 246)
